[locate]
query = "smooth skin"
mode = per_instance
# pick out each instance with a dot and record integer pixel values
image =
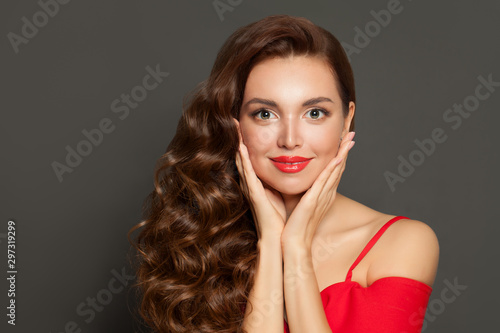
(309, 234)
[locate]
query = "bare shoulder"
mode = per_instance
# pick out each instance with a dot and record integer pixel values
(408, 248)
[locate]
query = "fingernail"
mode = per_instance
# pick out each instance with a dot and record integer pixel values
(339, 161)
(351, 144)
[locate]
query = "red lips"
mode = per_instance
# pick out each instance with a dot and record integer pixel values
(284, 163)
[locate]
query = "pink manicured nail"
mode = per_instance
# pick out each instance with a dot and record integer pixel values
(351, 144)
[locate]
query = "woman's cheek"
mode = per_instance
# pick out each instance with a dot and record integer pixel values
(262, 136)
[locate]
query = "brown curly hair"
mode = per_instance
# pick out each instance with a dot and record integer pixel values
(197, 247)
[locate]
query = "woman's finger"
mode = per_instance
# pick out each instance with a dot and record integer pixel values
(334, 178)
(254, 185)
(243, 184)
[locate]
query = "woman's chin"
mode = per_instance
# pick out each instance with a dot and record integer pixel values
(292, 193)
(287, 189)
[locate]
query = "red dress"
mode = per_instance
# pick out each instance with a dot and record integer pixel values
(389, 305)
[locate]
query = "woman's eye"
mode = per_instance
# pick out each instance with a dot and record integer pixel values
(317, 113)
(264, 114)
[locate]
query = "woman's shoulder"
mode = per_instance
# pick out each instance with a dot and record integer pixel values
(408, 248)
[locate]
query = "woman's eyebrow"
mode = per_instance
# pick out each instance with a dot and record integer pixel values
(269, 102)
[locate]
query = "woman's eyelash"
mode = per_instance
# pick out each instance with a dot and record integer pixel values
(325, 112)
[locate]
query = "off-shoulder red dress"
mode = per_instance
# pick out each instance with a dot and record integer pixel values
(389, 305)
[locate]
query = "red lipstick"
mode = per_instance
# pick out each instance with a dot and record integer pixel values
(290, 164)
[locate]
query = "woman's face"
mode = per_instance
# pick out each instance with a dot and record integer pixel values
(292, 107)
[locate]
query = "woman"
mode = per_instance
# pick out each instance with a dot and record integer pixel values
(245, 230)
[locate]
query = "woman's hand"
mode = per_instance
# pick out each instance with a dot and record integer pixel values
(312, 207)
(267, 206)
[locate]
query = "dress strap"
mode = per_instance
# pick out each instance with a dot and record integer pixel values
(371, 243)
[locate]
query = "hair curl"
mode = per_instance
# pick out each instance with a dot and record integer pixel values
(197, 247)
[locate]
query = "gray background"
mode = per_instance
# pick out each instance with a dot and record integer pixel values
(71, 234)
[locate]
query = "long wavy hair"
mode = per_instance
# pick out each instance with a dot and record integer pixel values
(197, 246)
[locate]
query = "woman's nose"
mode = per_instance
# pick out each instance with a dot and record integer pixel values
(290, 135)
